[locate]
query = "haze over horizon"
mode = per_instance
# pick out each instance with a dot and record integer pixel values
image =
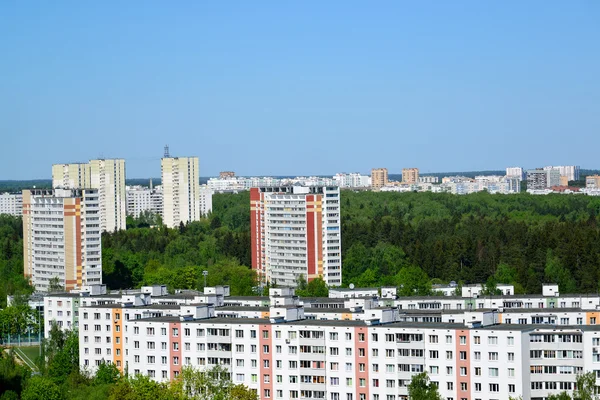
(305, 88)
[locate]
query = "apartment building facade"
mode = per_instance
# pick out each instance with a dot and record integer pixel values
(181, 190)
(105, 175)
(542, 178)
(287, 356)
(296, 231)
(379, 178)
(410, 175)
(140, 199)
(11, 204)
(61, 237)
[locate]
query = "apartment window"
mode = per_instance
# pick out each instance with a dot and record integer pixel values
(493, 372)
(175, 332)
(448, 339)
(493, 340)
(510, 340)
(333, 336)
(265, 334)
(511, 356)
(433, 354)
(494, 387)
(493, 356)
(463, 355)
(511, 372)
(463, 386)
(463, 340)
(463, 371)
(477, 339)
(511, 388)
(448, 355)
(450, 385)
(478, 387)
(433, 339)
(348, 336)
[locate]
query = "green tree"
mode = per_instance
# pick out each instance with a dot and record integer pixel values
(106, 373)
(420, 388)
(41, 388)
(55, 285)
(413, 281)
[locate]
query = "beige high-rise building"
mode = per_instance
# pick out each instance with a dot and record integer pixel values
(61, 237)
(106, 175)
(71, 176)
(181, 190)
(410, 175)
(379, 178)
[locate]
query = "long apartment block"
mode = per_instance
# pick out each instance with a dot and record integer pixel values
(354, 344)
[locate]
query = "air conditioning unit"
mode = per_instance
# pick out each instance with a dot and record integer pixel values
(287, 341)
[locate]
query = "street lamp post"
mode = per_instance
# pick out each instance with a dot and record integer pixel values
(205, 273)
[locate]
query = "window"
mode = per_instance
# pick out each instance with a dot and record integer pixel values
(333, 336)
(477, 339)
(493, 372)
(463, 340)
(433, 339)
(448, 355)
(494, 387)
(477, 371)
(463, 371)
(448, 339)
(175, 332)
(493, 340)
(493, 356)
(510, 340)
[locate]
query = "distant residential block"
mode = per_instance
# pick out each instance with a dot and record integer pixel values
(570, 171)
(181, 190)
(592, 182)
(106, 175)
(410, 175)
(379, 178)
(538, 179)
(11, 204)
(515, 172)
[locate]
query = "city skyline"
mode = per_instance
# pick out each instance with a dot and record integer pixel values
(257, 88)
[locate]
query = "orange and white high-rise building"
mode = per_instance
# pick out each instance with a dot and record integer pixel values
(296, 232)
(61, 237)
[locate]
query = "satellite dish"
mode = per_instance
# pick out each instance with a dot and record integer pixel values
(351, 286)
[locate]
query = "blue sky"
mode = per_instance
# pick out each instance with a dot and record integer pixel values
(298, 88)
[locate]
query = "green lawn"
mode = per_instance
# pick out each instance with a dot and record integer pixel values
(31, 351)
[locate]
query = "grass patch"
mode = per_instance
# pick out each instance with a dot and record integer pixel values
(31, 351)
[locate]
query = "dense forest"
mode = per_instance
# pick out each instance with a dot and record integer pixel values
(402, 239)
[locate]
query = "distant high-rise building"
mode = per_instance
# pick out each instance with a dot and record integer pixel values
(226, 174)
(206, 195)
(140, 199)
(429, 179)
(296, 231)
(61, 237)
(538, 179)
(181, 190)
(570, 171)
(71, 176)
(515, 172)
(410, 175)
(592, 181)
(106, 175)
(11, 204)
(379, 178)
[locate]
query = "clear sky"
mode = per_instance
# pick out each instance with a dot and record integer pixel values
(299, 87)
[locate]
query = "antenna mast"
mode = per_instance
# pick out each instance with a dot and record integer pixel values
(167, 151)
